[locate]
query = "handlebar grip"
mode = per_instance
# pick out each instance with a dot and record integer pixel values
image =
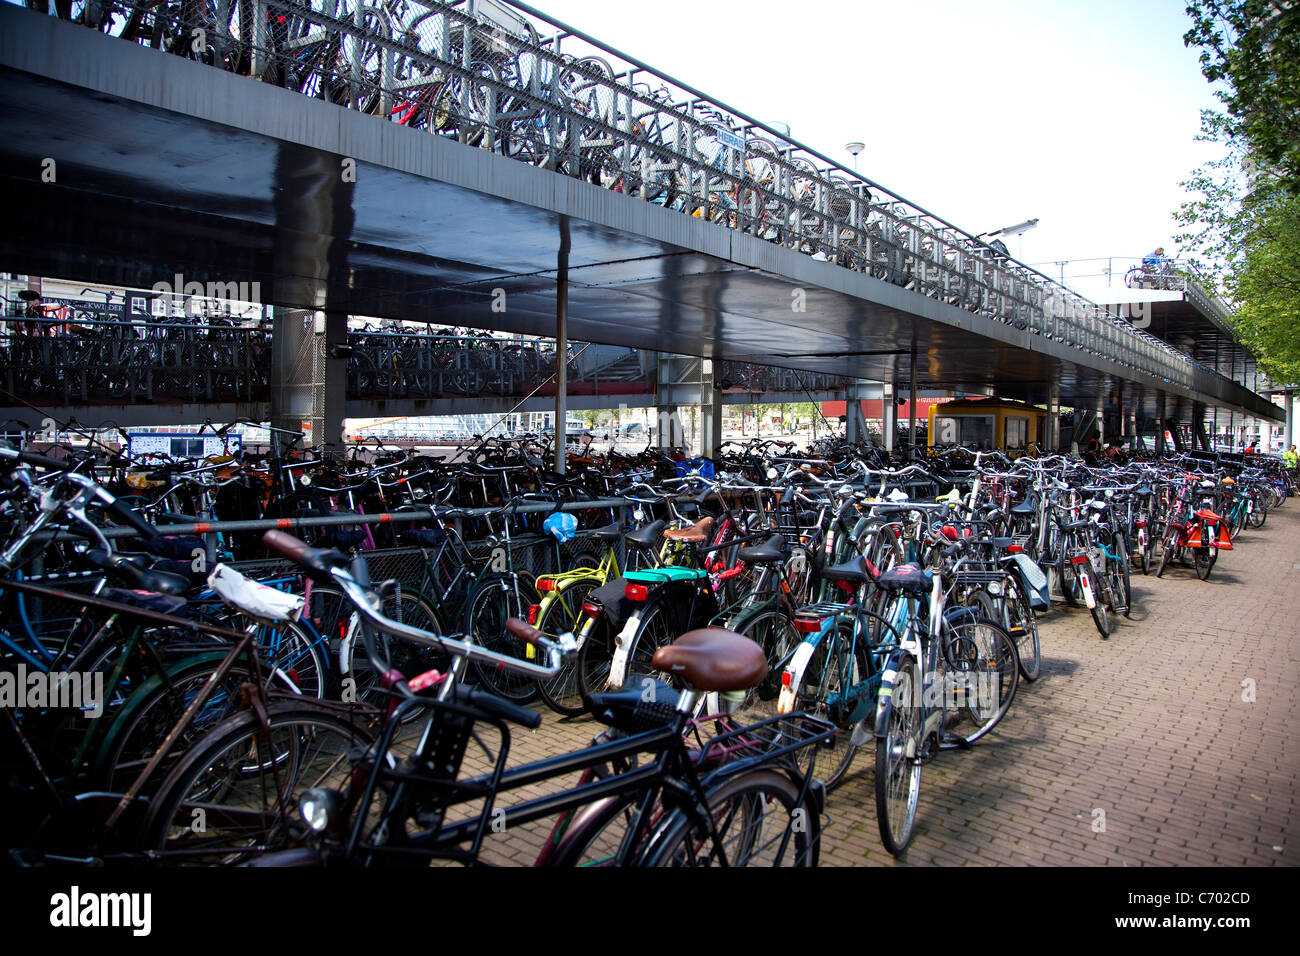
(315, 562)
(40, 461)
(525, 632)
(493, 704)
(123, 513)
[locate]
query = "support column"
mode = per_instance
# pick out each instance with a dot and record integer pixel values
(911, 438)
(1101, 421)
(562, 347)
(1052, 439)
(889, 415)
(1288, 428)
(710, 412)
(1198, 426)
(667, 425)
(313, 212)
(1160, 423)
(295, 360)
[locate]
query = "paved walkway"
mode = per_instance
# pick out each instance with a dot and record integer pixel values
(1169, 743)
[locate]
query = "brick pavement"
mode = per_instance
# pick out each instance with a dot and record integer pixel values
(1136, 750)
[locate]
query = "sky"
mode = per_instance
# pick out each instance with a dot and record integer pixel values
(1079, 113)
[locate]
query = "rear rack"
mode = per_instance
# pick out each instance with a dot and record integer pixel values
(821, 611)
(744, 747)
(978, 577)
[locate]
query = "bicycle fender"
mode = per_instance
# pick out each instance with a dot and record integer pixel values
(795, 669)
(885, 700)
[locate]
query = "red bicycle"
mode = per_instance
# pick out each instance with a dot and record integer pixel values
(1195, 532)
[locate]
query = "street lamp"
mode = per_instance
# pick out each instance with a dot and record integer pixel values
(1019, 229)
(854, 149)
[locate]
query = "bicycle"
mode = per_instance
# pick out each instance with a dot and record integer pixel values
(685, 809)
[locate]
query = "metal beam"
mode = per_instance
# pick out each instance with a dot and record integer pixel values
(889, 415)
(562, 346)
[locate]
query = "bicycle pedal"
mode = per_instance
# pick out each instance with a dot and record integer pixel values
(954, 742)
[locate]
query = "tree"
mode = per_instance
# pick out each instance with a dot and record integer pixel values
(1242, 224)
(1254, 47)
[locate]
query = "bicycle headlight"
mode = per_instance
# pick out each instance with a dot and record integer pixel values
(995, 588)
(320, 807)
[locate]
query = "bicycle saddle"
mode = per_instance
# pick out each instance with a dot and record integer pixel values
(610, 533)
(141, 578)
(766, 552)
(713, 659)
(423, 537)
(645, 538)
(853, 571)
(911, 578)
(697, 533)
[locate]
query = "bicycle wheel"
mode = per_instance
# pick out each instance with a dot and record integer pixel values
(1022, 624)
(1068, 579)
(149, 715)
(773, 631)
(1258, 513)
(1102, 600)
(300, 654)
(1204, 561)
(357, 678)
(485, 619)
(658, 628)
(759, 819)
(982, 667)
(898, 772)
(593, 835)
(837, 666)
(564, 615)
(1121, 581)
(1167, 549)
(235, 795)
(800, 574)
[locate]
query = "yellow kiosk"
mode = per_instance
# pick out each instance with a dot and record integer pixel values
(985, 424)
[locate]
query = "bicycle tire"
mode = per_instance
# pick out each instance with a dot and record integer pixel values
(1167, 549)
(1101, 601)
(1258, 514)
(754, 812)
(486, 612)
(256, 778)
(1022, 624)
(983, 651)
(833, 682)
(1122, 578)
(562, 692)
(658, 628)
(774, 632)
(898, 772)
(357, 678)
(149, 714)
(1204, 560)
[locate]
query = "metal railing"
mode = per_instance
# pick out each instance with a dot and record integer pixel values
(81, 361)
(482, 72)
(80, 358)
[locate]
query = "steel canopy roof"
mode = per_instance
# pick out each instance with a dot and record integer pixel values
(166, 166)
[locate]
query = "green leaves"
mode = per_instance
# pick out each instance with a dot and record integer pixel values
(1254, 47)
(1242, 222)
